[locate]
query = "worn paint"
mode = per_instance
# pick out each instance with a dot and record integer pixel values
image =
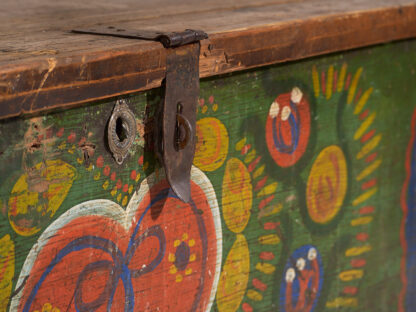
(234, 276)
(38, 194)
(236, 195)
(327, 184)
(299, 175)
(7, 270)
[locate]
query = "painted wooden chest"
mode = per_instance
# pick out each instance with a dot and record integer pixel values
(303, 184)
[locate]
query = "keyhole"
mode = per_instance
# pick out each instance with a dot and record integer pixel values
(121, 129)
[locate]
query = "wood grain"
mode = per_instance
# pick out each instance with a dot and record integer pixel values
(43, 66)
(300, 161)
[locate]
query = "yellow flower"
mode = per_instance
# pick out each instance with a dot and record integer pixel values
(182, 257)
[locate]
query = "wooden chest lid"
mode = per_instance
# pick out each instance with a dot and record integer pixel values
(44, 66)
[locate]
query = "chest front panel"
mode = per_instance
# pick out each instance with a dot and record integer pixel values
(303, 197)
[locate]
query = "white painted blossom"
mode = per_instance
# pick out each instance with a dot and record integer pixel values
(296, 95)
(312, 254)
(274, 109)
(286, 111)
(290, 275)
(300, 264)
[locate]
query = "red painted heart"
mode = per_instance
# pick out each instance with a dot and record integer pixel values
(159, 255)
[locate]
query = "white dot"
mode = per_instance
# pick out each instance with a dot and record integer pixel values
(285, 113)
(296, 95)
(290, 275)
(312, 254)
(274, 109)
(300, 264)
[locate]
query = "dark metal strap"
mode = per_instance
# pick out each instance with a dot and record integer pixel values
(168, 39)
(178, 118)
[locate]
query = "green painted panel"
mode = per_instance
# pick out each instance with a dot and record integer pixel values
(303, 198)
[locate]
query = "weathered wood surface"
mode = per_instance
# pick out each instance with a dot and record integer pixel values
(303, 198)
(43, 66)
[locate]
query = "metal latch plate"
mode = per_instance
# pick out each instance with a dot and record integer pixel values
(175, 136)
(179, 117)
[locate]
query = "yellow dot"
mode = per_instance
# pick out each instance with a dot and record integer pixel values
(130, 189)
(176, 243)
(185, 236)
(171, 257)
(80, 160)
(188, 271)
(191, 243)
(71, 151)
(240, 144)
(89, 167)
(137, 177)
(173, 269)
(192, 258)
(179, 278)
(254, 295)
(124, 201)
(56, 310)
(114, 191)
(97, 176)
(105, 184)
(62, 146)
(119, 197)
(215, 107)
(47, 307)
(204, 109)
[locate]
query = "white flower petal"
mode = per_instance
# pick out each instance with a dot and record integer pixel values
(296, 95)
(300, 264)
(274, 110)
(312, 254)
(290, 275)
(286, 113)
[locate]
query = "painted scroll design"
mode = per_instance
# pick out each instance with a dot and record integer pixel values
(327, 183)
(212, 154)
(328, 176)
(365, 160)
(246, 190)
(105, 247)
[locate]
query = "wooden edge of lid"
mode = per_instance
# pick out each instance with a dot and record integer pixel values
(37, 87)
